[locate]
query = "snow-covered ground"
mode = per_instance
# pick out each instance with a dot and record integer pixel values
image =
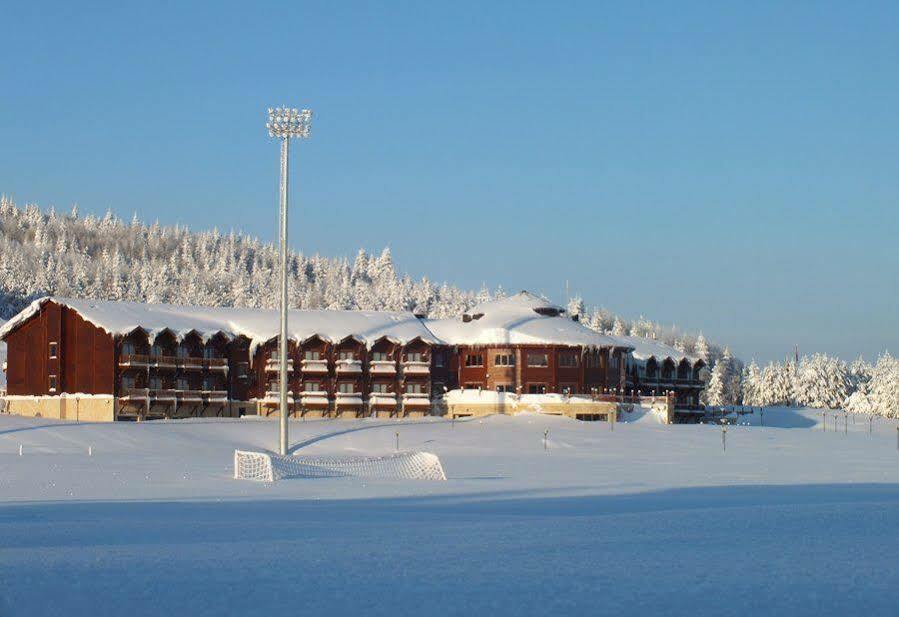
(645, 519)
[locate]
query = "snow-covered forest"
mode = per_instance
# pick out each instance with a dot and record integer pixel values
(69, 255)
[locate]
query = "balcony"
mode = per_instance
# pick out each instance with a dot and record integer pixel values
(215, 396)
(189, 396)
(416, 367)
(314, 367)
(349, 366)
(382, 399)
(215, 364)
(191, 364)
(382, 367)
(134, 360)
(166, 362)
(349, 399)
(273, 365)
(275, 397)
(314, 398)
(416, 399)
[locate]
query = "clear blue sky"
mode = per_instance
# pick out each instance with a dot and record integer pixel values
(727, 167)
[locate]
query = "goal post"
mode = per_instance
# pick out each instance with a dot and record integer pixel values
(268, 467)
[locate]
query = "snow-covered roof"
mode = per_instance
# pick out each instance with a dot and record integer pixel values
(645, 348)
(522, 319)
(259, 325)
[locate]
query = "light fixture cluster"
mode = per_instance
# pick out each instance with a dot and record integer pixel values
(288, 122)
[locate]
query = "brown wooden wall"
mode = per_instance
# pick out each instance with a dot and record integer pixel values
(85, 357)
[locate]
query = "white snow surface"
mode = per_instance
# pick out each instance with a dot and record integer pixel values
(643, 520)
(259, 325)
(514, 321)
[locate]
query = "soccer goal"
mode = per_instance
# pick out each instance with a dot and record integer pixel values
(268, 467)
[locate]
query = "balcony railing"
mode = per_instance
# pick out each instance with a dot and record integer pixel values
(349, 366)
(416, 366)
(126, 360)
(382, 399)
(215, 364)
(273, 365)
(382, 367)
(348, 399)
(164, 361)
(316, 398)
(314, 366)
(190, 363)
(416, 399)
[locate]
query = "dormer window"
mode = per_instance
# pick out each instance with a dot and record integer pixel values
(548, 311)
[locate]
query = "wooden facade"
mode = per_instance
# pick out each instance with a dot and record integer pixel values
(169, 374)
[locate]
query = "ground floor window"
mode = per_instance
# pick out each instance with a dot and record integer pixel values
(504, 387)
(536, 388)
(347, 387)
(380, 388)
(312, 386)
(472, 386)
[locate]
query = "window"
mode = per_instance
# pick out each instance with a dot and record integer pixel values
(128, 348)
(536, 388)
(311, 354)
(439, 360)
(415, 388)
(613, 361)
(504, 387)
(538, 359)
(127, 382)
(209, 383)
(53, 383)
(380, 388)
(472, 386)
(380, 356)
(474, 360)
(156, 350)
(567, 360)
(183, 384)
(182, 351)
(347, 387)
(312, 386)
(210, 353)
(242, 369)
(414, 356)
(346, 355)
(569, 388)
(54, 347)
(155, 383)
(504, 360)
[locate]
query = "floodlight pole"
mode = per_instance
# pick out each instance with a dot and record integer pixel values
(282, 342)
(285, 123)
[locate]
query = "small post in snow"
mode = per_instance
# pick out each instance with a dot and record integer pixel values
(545, 435)
(762, 413)
(397, 441)
(870, 423)
(90, 450)
(897, 437)
(845, 423)
(724, 437)
(20, 449)
(825, 421)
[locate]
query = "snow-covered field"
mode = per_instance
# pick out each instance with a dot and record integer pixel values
(643, 520)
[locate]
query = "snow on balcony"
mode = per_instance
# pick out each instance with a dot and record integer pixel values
(417, 399)
(272, 365)
(382, 367)
(317, 399)
(348, 399)
(314, 366)
(382, 400)
(416, 367)
(349, 366)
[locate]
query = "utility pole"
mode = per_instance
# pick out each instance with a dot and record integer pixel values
(284, 123)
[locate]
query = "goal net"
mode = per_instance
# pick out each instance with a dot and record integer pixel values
(268, 467)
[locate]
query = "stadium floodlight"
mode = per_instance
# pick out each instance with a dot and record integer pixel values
(285, 123)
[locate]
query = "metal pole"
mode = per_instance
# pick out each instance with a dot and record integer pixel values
(282, 368)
